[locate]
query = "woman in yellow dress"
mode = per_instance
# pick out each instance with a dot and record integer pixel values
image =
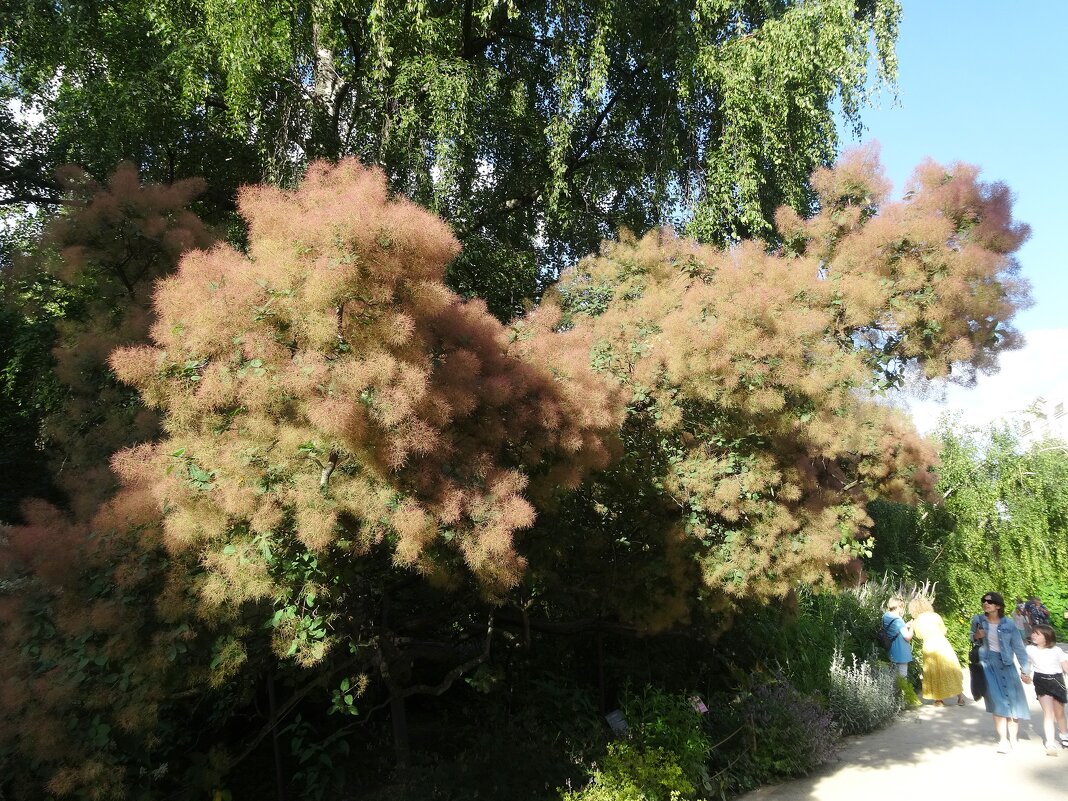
(942, 677)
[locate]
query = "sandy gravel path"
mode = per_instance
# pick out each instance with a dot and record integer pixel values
(946, 751)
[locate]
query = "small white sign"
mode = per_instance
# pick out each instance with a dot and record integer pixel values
(616, 722)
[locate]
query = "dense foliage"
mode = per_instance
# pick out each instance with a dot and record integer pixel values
(84, 580)
(754, 437)
(28, 390)
(27, 393)
(1001, 524)
(327, 387)
(345, 443)
(324, 510)
(534, 127)
(862, 696)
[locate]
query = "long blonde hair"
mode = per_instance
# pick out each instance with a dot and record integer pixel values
(919, 605)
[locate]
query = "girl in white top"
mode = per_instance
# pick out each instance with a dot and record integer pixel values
(1049, 663)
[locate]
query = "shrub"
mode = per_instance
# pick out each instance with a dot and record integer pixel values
(799, 639)
(669, 722)
(908, 692)
(863, 694)
(633, 773)
(791, 733)
(768, 734)
(665, 758)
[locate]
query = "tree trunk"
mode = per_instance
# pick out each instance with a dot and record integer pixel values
(278, 776)
(400, 730)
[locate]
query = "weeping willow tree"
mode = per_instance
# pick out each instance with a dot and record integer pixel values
(534, 127)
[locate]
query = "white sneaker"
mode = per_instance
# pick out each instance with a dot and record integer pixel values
(1004, 747)
(1052, 748)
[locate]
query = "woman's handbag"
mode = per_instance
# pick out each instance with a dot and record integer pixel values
(976, 674)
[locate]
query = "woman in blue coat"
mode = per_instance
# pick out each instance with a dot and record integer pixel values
(1001, 641)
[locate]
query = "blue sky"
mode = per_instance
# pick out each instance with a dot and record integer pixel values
(987, 83)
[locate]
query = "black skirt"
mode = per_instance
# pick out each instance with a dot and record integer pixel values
(1051, 684)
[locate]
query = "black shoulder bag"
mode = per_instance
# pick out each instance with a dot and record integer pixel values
(975, 671)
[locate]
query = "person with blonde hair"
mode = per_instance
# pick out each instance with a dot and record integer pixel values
(900, 634)
(942, 676)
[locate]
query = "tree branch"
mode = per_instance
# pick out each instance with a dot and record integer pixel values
(447, 681)
(465, 37)
(25, 198)
(496, 30)
(328, 469)
(290, 704)
(578, 159)
(520, 619)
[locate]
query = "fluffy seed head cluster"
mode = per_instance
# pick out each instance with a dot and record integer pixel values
(930, 281)
(82, 639)
(112, 242)
(758, 368)
(123, 233)
(328, 386)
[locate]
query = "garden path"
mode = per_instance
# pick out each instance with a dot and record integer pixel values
(935, 750)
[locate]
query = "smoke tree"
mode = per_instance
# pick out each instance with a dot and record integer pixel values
(755, 434)
(327, 387)
(89, 641)
(356, 401)
(109, 247)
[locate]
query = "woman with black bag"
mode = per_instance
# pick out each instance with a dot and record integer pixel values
(999, 641)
